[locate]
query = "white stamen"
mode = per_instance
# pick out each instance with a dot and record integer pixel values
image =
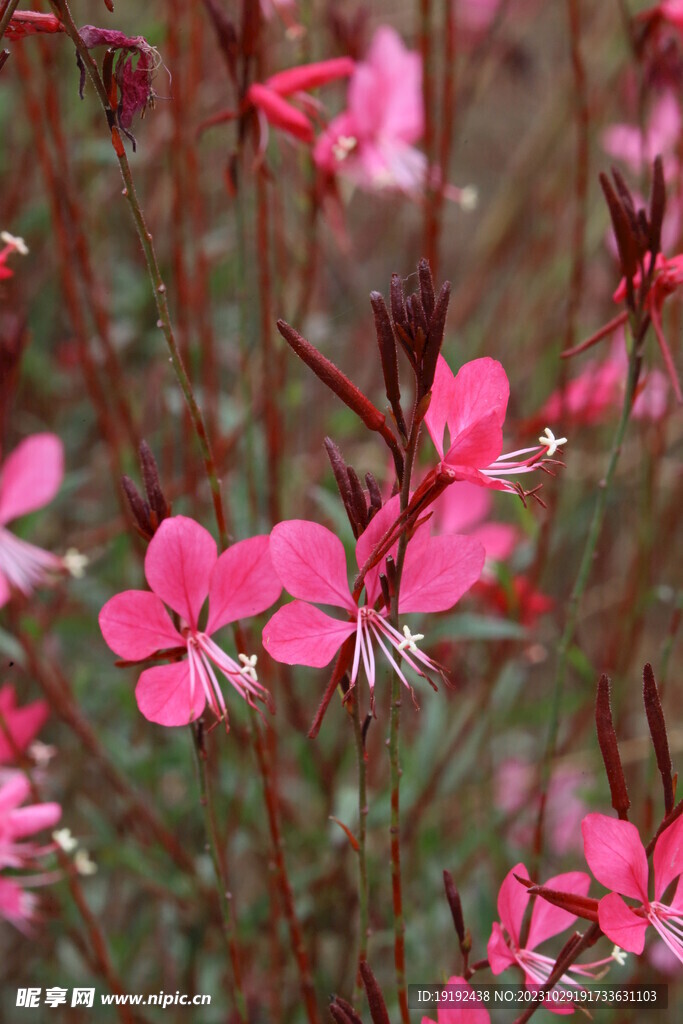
(64, 840)
(75, 562)
(249, 666)
(83, 864)
(410, 642)
(15, 242)
(619, 955)
(344, 145)
(551, 442)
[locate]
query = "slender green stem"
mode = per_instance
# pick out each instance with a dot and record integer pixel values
(158, 285)
(363, 926)
(585, 567)
(394, 727)
(224, 896)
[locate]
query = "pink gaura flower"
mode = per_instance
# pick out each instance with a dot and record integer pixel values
(268, 98)
(617, 858)
(668, 278)
(372, 142)
(505, 947)
(17, 822)
(29, 478)
(18, 725)
(183, 569)
(598, 390)
(516, 794)
(464, 508)
(472, 405)
(311, 564)
(10, 244)
(661, 137)
(460, 1014)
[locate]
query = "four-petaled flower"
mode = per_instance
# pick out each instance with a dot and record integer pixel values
(618, 860)
(29, 478)
(183, 569)
(311, 564)
(472, 405)
(18, 725)
(505, 947)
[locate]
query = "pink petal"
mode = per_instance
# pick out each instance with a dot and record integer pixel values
(31, 476)
(13, 792)
(615, 855)
(4, 590)
(135, 624)
(465, 1014)
(27, 820)
(548, 920)
(512, 902)
(499, 953)
(478, 444)
(23, 724)
(243, 583)
(499, 539)
(311, 563)
(620, 924)
(280, 113)
(163, 695)
(435, 576)
(440, 404)
(178, 565)
(667, 859)
(310, 76)
(300, 634)
(480, 387)
(461, 507)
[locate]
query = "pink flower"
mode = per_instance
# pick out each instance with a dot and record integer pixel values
(599, 388)
(16, 824)
(311, 564)
(668, 278)
(30, 478)
(21, 723)
(515, 793)
(617, 858)
(11, 244)
(472, 405)
(372, 141)
(505, 945)
(461, 1014)
(463, 508)
(183, 569)
(268, 98)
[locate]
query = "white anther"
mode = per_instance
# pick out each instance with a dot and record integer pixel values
(15, 242)
(551, 442)
(75, 563)
(83, 864)
(410, 642)
(344, 145)
(619, 955)
(64, 840)
(249, 666)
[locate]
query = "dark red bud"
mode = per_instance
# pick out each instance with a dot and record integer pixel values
(609, 748)
(453, 897)
(660, 742)
(378, 1008)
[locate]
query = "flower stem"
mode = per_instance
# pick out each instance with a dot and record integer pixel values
(158, 285)
(585, 567)
(8, 10)
(363, 927)
(224, 896)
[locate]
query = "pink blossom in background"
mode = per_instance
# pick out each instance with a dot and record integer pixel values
(598, 391)
(617, 858)
(21, 723)
(10, 244)
(461, 1014)
(472, 406)
(29, 478)
(638, 150)
(515, 793)
(668, 278)
(311, 564)
(183, 569)
(505, 945)
(17, 823)
(463, 508)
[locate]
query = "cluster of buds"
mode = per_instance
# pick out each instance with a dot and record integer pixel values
(149, 514)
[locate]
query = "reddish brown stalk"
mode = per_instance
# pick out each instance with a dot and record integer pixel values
(448, 115)
(91, 288)
(428, 99)
(581, 113)
(340, 666)
(272, 808)
(604, 332)
(273, 424)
